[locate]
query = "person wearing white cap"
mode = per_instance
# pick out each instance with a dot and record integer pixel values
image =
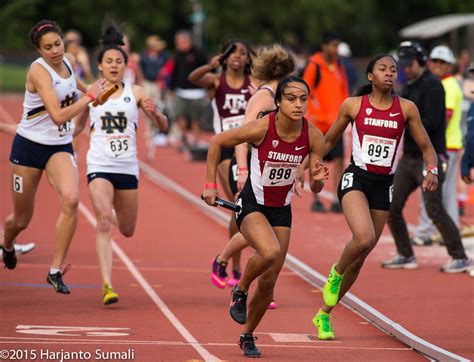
(441, 62)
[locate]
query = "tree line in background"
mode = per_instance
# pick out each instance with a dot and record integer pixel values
(369, 26)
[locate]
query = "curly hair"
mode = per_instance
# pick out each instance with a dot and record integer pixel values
(41, 28)
(272, 63)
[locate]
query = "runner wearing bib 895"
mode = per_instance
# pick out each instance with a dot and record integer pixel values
(43, 143)
(280, 141)
(112, 165)
(378, 119)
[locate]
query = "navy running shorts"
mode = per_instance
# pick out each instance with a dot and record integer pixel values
(378, 189)
(31, 154)
(120, 181)
(276, 216)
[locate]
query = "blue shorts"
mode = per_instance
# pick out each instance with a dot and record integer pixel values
(31, 154)
(120, 181)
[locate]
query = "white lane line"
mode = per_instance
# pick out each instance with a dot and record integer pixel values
(316, 279)
(316, 344)
(205, 354)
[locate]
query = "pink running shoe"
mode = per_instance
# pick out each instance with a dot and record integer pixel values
(234, 279)
(219, 274)
(272, 305)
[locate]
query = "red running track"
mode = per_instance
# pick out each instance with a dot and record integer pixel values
(171, 252)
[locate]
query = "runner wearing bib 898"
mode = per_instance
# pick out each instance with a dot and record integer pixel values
(43, 143)
(379, 119)
(112, 165)
(280, 140)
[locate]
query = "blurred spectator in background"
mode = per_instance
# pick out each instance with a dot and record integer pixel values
(427, 92)
(441, 63)
(190, 102)
(467, 164)
(152, 61)
(344, 52)
(73, 45)
(328, 86)
(133, 74)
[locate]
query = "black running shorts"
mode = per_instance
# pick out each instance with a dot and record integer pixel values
(276, 216)
(378, 189)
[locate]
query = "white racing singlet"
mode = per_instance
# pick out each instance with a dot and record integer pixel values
(113, 135)
(36, 123)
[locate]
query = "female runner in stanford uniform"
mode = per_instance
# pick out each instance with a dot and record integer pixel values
(379, 119)
(112, 165)
(43, 143)
(280, 140)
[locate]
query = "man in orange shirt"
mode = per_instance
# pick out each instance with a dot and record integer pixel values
(327, 80)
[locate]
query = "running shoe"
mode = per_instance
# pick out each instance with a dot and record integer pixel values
(235, 278)
(219, 274)
(272, 305)
(56, 280)
(110, 296)
(317, 206)
(400, 262)
(238, 305)
(332, 287)
(416, 240)
(457, 266)
(323, 323)
(247, 344)
(9, 258)
(336, 207)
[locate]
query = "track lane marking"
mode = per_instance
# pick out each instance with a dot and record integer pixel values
(205, 354)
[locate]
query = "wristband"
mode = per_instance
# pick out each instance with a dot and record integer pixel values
(432, 169)
(243, 169)
(210, 185)
(91, 96)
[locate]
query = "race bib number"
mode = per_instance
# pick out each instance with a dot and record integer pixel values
(118, 146)
(378, 151)
(279, 174)
(65, 129)
(232, 122)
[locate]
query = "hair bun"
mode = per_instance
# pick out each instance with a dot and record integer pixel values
(112, 36)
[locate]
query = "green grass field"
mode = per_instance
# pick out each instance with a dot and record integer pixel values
(12, 78)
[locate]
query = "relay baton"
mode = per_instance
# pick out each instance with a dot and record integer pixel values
(104, 96)
(230, 49)
(226, 204)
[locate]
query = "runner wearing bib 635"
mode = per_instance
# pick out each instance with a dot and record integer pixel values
(112, 165)
(379, 119)
(280, 140)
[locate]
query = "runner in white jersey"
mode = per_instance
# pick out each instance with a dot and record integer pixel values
(112, 165)
(379, 119)
(43, 143)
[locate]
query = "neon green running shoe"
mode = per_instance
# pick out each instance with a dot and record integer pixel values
(332, 287)
(323, 324)
(109, 296)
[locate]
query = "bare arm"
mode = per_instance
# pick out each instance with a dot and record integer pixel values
(150, 109)
(203, 77)
(421, 138)
(80, 122)
(39, 80)
(261, 101)
(347, 112)
(252, 132)
(9, 128)
(318, 172)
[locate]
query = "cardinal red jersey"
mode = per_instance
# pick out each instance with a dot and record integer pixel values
(376, 137)
(273, 165)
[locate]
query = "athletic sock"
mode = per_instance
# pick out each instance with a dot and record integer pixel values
(54, 270)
